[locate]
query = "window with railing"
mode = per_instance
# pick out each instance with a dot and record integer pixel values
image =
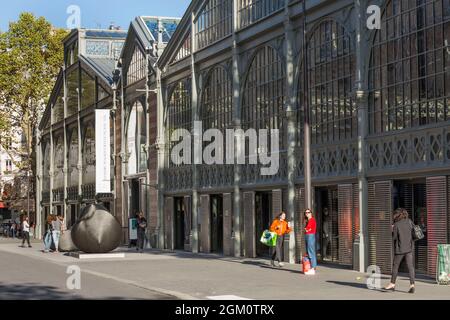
(184, 51)
(214, 22)
(250, 11)
(409, 76)
(136, 69)
(179, 112)
(330, 75)
(264, 94)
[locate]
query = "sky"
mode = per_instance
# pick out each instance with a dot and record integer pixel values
(94, 13)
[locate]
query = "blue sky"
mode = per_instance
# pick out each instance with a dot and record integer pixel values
(94, 13)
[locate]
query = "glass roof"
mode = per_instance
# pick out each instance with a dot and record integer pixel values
(169, 26)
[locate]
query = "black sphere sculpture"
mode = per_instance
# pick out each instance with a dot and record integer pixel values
(97, 231)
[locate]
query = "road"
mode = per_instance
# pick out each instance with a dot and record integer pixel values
(22, 277)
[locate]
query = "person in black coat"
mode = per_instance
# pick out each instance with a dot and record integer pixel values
(403, 247)
(142, 226)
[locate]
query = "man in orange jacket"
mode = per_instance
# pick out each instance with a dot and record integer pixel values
(281, 227)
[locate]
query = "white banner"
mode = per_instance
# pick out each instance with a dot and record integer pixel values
(102, 152)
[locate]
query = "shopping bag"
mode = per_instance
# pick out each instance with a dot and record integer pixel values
(306, 264)
(443, 264)
(269, 238)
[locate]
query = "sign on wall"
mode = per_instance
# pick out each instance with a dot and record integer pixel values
(102, 151)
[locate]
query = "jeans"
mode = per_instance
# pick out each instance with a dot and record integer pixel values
(56, 236)
(278, 253)
(310, 240)
(26, 236)
(409, 262)
(141, 239)
(48, 240)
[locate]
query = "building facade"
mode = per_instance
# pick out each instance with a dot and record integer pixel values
(377, 102)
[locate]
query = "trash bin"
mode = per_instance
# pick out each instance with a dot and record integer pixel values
(443, 264)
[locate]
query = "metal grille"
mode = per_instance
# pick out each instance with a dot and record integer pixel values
(179, 112)
(409, 84)
(264, 93)
(214, 22)
(250, 11)
(356, 224)
(334, 214)
(168, 222)
(345, 225)
(184, 51)
(331, 69)
(136, 69)
(217, 100)
(205, 221)
(380, 222)
(437, 218)
(249, 225)
(228, 224)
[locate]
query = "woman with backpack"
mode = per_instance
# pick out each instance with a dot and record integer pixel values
(402, 236)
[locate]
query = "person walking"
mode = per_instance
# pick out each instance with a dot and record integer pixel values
(25, 232)
(403, 248)
(13, 230)
(310, 240)
(48, 237)
(281, 227)
(57, 226)
(141, 227)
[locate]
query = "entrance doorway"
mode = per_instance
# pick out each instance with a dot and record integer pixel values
(216, 223)
(135, 196)
(327, 223)
(263, 215)
(411, 195)
(179, 221)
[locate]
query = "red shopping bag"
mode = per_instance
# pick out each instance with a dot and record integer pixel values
(306, 264)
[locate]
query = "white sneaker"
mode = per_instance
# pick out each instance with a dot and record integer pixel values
(281, 264)
(310, 272)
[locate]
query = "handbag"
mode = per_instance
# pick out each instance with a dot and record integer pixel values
(269, 238)
(417, 233)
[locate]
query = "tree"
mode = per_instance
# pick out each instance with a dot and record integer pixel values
(31, 55)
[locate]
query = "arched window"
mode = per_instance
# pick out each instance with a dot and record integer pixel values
(179, 113)
(59, 163)
(409, 76)
(73, 159)
(264, 93)
(136, 139)
(330, 75)
(217, 100)
(89, 155)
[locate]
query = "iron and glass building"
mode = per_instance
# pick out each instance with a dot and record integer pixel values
(378, 106)
(374, 104)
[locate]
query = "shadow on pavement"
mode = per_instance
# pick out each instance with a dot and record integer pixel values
(33, 291)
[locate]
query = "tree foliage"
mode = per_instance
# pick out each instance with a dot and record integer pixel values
(31, 55)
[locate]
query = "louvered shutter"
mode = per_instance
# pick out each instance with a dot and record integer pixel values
(168, 222)
(227, 224)
(356, 224)
(437, 218)
(345, 224)
(205, 222)
(187, 222)
(299, 224)
(249, 225)
(380, 225)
